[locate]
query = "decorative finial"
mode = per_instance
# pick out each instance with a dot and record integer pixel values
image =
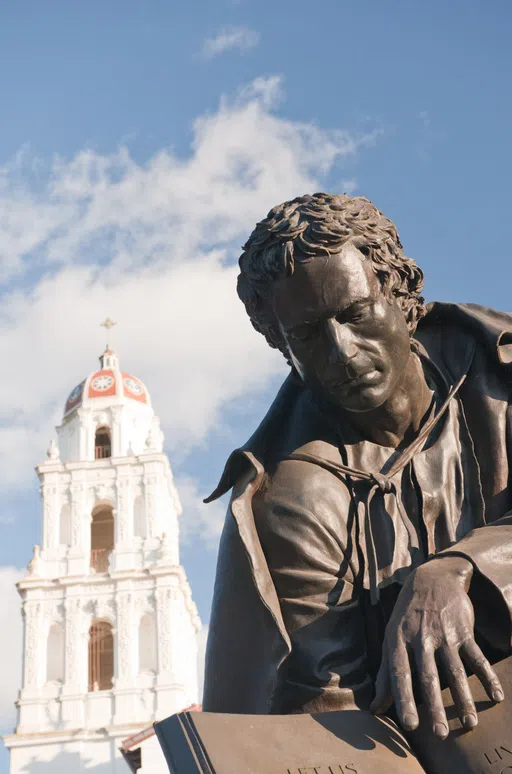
(155, 439)
(108, 324)
(53, 451)
(33, 565)
(164, 549)
(150, 440)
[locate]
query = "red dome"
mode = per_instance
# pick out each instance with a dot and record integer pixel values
(108, 382)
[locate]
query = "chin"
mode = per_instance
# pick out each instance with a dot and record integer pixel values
(365, 400)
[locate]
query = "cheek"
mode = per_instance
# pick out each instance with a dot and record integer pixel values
(394, 334)
(400, 341)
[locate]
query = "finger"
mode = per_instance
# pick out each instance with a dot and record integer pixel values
(428, 678)
(401, 687)
(383, 696)
(478, 664)
(459, 687)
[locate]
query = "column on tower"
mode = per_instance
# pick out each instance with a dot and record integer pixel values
(51, 501)
(78, 556)
(116, 430)
(75, 665)
(84, 446)
(125, 696)
(30, 707)
(52, 496)
(124, 520)
(177, 623)
(32, 668)
(150, 494)
(164, 688)
(162, 505)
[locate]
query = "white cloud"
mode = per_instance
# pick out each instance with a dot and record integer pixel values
(199, 521)
(182, 329)
(152, 245)
(11, 646)
(267, 90)
(230, 38)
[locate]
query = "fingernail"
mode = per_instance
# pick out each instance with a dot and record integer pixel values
(410, 721)
(469, 721)
(497, 695)
(441, 730)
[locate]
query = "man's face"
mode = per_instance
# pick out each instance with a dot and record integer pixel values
(343, 334)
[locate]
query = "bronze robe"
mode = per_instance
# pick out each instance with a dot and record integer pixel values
(321, 533)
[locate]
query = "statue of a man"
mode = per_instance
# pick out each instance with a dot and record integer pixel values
(367, 549)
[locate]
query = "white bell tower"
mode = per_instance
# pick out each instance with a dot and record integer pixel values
(109, 622)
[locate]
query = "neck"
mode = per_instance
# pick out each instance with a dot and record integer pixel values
(400, 417)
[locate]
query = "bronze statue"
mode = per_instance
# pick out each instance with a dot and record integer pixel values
(366, 558)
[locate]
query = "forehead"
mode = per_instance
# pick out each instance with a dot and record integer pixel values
(324, 286)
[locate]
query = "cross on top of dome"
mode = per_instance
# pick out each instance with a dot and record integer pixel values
(109, 384)
(108, 359)
(108, 324)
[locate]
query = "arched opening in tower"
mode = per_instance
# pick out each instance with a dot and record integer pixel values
(101, 656)
(102, 537)
(102, 443)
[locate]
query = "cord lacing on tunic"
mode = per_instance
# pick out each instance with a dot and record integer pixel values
(381, 484)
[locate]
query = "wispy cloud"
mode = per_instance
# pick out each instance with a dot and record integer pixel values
(199, 521)
(230, 39)
(152, 245)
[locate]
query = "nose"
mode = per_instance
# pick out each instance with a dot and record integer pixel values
(343, 346)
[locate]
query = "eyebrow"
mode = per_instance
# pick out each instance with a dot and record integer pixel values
(341, 311)
(360, 302)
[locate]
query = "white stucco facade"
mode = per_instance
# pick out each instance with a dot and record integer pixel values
(142, 591)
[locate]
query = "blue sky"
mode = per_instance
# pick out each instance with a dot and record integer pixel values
(140, 143)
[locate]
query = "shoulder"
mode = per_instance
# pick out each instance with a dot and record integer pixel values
(301, 500)
(453, 334)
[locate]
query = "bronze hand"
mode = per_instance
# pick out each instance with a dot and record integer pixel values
(433, 617)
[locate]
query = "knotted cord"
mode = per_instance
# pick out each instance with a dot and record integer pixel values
(381, 484)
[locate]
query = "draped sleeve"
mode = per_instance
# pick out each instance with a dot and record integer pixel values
(307, 527)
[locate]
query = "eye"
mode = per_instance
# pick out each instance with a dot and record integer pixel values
(357, 314)
(349, 319)
(302, 332)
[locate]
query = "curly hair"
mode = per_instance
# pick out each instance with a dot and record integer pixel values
(320, 224)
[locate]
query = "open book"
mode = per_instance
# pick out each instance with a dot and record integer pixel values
(348, 742)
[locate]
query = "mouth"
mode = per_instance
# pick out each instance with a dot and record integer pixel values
(366, 378)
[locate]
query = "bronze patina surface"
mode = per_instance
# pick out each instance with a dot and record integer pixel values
(366, 558)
